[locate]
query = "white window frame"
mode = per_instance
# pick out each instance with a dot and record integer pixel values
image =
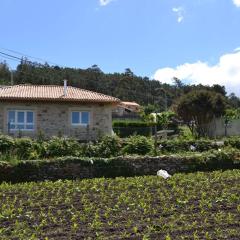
(25, 123)
(80, 118)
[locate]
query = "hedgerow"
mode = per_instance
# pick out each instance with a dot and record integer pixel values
(182, 145)
(108, 146)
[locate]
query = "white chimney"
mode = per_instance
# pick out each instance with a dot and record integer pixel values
(65, 87)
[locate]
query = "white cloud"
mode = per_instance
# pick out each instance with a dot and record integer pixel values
(237, 49)
(236, 3)
(226, 72)
(179, 11)
(104, 2)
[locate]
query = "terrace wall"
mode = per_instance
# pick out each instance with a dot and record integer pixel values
(73, 168)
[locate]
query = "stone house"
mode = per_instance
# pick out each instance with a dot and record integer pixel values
(126, 110)
(31, 110)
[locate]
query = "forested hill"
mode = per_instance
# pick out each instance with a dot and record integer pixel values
(126, 86)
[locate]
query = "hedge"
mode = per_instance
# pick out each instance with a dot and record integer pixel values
(182, 145)
(27, 149)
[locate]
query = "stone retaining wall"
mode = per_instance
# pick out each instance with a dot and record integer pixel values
(74, 168)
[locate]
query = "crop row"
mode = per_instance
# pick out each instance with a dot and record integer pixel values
(186, 206)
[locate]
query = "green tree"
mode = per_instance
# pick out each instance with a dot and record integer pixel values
(233, 100)
(200, 107)
(4, 73)
(166, 118)
(126, 86)
(229, 116)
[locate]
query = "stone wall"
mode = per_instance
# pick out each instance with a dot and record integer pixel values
(80, 168)
(53, 119)
(217, 128)
(123, 166)
(39, 170)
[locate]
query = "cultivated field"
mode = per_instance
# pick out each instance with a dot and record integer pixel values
(192, 206)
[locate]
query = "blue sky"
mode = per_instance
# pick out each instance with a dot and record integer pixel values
(195, 40)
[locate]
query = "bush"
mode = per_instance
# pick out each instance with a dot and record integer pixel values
(138, 145)
(179, 145)
(107, 147)
(215, 160)
(6, 144)
(57, 147)
(25, 148)
(233, 142)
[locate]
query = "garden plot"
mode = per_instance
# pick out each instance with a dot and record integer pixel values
(185, 206)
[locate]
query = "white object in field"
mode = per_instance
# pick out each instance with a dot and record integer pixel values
(220, 143)
(163, 173)
(192, 148)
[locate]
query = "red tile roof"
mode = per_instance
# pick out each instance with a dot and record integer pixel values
(53, 93)
(131, 104)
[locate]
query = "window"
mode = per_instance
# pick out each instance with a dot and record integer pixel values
(20, 120)
(80, 118)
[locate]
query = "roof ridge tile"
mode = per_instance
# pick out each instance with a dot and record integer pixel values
(54, 92)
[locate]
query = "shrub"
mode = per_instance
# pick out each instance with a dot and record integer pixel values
(58, 147)
(6, 144)
(138, 145)
(180, 145)
(214, 160)
(9, 158)
(108, 146)
(25, 148)
(233, 142)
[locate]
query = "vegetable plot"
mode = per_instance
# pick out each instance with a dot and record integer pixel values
(191, 206)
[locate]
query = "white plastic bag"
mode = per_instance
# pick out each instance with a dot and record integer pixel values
(192, 148)
(163, 173)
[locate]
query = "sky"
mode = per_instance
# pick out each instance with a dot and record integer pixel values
(197, 41)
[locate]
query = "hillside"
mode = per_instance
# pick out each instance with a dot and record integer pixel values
(126, 86)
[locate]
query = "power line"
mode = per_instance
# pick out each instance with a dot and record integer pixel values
(24, 72)
(8, 55)
(28, 56)
(11, 57)
(127, 90)
(5, 57)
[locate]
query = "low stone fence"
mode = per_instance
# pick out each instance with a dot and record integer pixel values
(79, 168)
